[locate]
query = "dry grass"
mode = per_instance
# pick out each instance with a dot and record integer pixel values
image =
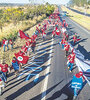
(81, 19)
(8, 55)
(82, 9)
(11, 28)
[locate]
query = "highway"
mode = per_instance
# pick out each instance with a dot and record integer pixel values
(79, 12)
(54, 79)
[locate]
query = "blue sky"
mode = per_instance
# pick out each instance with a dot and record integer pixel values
(39, 1)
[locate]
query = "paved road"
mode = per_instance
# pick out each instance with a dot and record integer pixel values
(79, 12)
(59, 80)
(54, 78)
(84, 44)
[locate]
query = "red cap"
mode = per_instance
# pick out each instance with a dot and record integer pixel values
(78, 75)
(81, 73)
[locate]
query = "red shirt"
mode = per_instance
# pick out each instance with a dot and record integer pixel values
(67, 35)
(43, 33)
(63, 41)
(71, 58)
(3, 41)
(67, 47)
(66, 25)
(28, 43)
(74, 38)
(78, 76)
(4, 67)
(33, 44)
(10, 41)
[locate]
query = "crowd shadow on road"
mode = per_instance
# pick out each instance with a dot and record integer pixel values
(13, 83)
(84, 83)
(65, 90)
(17, 82)
(25, 88)
(84, 52)
(82, 40)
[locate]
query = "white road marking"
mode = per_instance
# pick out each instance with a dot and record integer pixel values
(79, 26)
(44, 87)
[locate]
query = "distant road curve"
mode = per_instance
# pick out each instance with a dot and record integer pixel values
(79, 12)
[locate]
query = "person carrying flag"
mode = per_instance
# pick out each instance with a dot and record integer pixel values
(71, 59)
(63, 42)
(66, 48)
(77, 83)
(3, 81)
(67, 36)
(58, 32)
(28, 43)
(15, 65)
(63, 29)
(33, 45)
(43, 34)
(64, 22)
(4, 68)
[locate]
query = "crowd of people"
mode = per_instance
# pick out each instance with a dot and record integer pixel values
(78, 78)
(6, 42)
(60, 28)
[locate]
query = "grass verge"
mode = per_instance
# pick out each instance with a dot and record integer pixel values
(81, 19)
(18, 43)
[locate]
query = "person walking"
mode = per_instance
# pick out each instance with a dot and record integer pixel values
(15, 66)
(5, 44)
(71, 59)
(4, 68)
(66, 48)
(33, 46)
(77, 83)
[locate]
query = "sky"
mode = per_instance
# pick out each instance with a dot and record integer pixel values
(39, 1)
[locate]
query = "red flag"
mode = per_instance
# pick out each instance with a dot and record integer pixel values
(78, 39)
(34, 37)
(57, 31)
(21, 58)
(23, 35)
(37, 29)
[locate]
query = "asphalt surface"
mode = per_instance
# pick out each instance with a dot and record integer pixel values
(60, 78)
(19, 88)
(84, 44)
(54, 83)
(79, 12)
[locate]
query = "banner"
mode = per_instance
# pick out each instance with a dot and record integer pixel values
(23, 35)
(77, 52)
(84, 67)
(22, 59)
